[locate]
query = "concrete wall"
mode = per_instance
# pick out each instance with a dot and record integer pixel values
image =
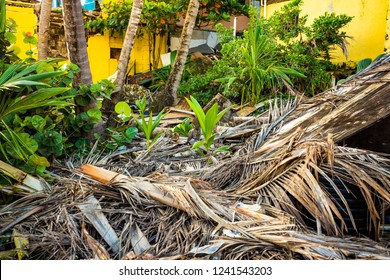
(368, 27)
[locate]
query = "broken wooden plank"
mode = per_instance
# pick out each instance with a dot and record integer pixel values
(245, 111)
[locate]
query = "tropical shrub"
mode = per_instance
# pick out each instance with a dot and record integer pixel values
(261, 69)
(307, 48)
(24, 89)
(282, 47)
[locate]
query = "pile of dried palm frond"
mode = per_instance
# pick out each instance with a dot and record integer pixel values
(287, 191)
(180, 217)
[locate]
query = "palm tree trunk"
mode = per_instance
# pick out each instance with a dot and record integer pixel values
(76, 40)
(128, 43)
(44, 28)
(124, 58)
(77, 51)
(168, 95)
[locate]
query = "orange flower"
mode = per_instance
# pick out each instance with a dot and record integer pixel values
(28, 34)
(217, 5)
(162, 21)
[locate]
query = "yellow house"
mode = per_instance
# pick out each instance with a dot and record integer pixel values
(369, 28)
(103, 50)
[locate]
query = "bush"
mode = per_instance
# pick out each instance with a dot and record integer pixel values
(290, 51)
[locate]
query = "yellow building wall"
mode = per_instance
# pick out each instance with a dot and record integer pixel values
(26, 22)
(368, 27)
(387, 37)
(102, 66)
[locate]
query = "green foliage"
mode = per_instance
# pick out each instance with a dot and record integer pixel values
(183, 128)
(212, 11)
(147, 126)
(282, 47)
(160, 76)
(85, 94)
(207, 121)
(261, 67)
(123, 110)
(37, 106)
(21, 88)
(32, 42)
(50, 143)
(307, 49)
(123, 134)
(121, 137)
(363, 64)
(19, 148)
(161, 16)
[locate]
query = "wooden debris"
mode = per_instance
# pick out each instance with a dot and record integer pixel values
(245, 111)
(21, 218)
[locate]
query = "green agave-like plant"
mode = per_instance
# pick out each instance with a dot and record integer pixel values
(261, 67)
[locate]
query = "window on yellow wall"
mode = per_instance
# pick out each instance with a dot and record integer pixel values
(115, 53)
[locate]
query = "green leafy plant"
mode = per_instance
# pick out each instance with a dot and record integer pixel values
(207, 121)
(121, 137)
(32, 42)
(100, 90)
(147, 126)
(23, 89)
(19, 148)
(253, 66)
(183, 128)
(8, 49)
(261, 67)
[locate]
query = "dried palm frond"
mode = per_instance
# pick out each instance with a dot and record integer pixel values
(202, 217)
(297, 174)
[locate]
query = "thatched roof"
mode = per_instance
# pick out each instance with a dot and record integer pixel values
(287, 190)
